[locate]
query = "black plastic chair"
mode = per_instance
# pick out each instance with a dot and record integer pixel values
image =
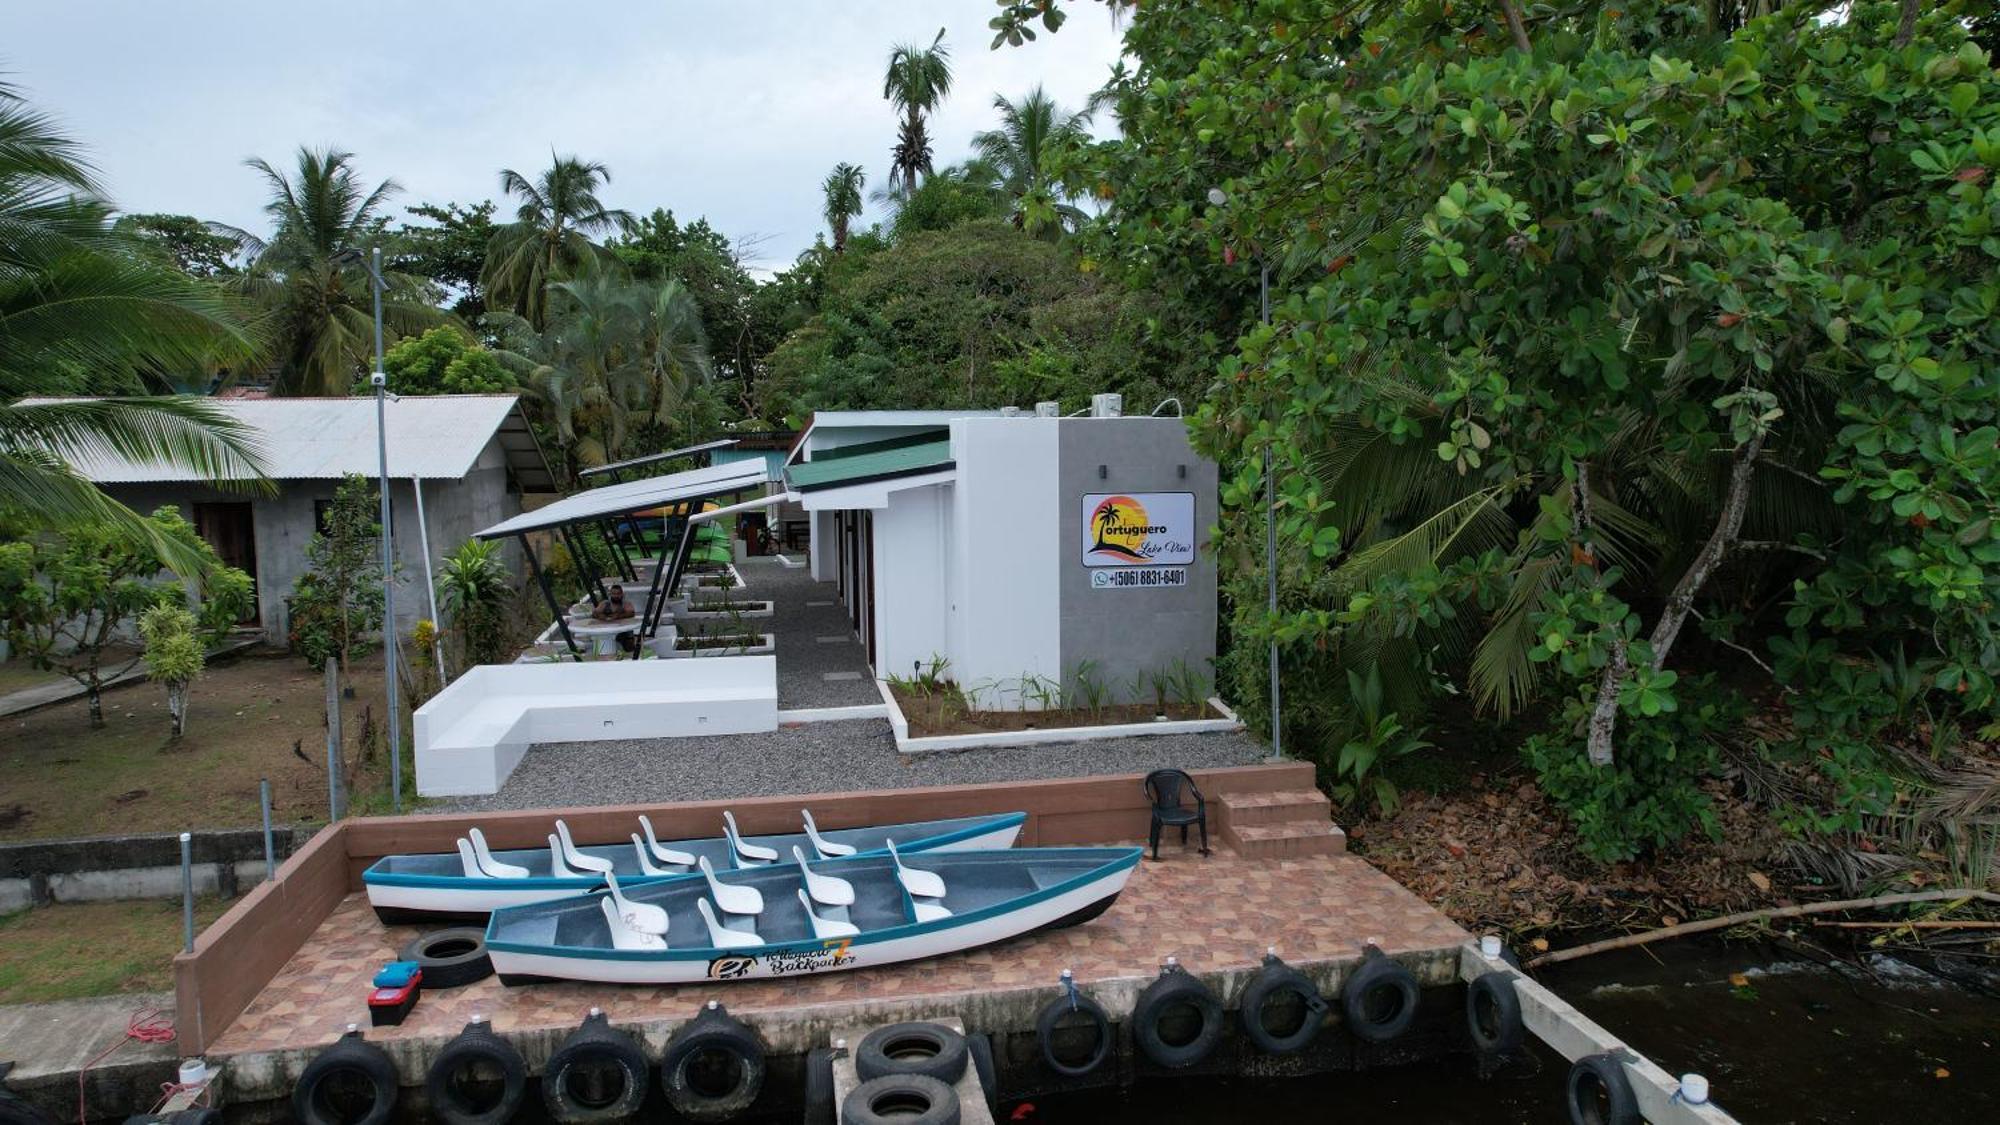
(1163, 788)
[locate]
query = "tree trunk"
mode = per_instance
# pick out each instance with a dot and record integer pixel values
(1906, 27)
(177, 696)
(94, 692)
(1519, 29)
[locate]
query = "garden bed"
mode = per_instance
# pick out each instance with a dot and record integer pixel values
(723, 611)
(940, 720)
(724, 644)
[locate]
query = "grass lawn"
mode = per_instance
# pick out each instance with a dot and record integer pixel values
(245, 716)
(72, 950)
(18, 674)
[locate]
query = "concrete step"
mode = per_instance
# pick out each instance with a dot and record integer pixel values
(1246, 809)
(1286, 840)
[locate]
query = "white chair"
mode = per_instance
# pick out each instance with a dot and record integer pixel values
(646, 865)
(494, 867)
(661, 852)
(721, 936)
(557, 867)
(470, 861)
(574, 856)
(826, 889)
(747, 853)
(641, 916)
(624, 936)
(826, 928)
(826, 848)
(926, 888)
(732, 899)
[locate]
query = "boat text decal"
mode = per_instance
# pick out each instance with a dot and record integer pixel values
(785, 962)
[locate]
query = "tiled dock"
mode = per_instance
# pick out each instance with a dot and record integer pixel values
(1216, 915)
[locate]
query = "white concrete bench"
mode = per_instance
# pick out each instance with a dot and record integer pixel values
(471, 735)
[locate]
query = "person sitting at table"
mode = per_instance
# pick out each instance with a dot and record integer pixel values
(615, 607)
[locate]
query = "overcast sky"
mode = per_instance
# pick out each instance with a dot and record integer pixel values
(733, 110)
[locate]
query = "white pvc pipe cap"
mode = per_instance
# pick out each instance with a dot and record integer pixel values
(1694, 1089)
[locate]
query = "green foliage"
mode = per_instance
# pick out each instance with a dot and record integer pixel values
(1651, 796)
(549, 238)
(739, 321)
(1375, 737)
(1034, 134)
(474, 589)
(339, 598)
(173, 655)
(442, 361)
(183, 242)
(449, 250)
(68, 601)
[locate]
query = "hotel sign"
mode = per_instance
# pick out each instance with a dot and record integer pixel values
(1136, 532)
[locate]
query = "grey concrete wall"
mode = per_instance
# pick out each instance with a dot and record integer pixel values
(284, 525)
(38, 872)
(1131, 632)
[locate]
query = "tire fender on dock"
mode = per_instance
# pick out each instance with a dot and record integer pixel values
(1176, 988)
(1598, 1093)
(712, 1037)
(1493, 1013)
(572, 1086)
(912, 1048)
(1273, 981)
(1379, 1002)
(349, 1056)
(451, 1103)
(901, 1099)
(1049, 1021)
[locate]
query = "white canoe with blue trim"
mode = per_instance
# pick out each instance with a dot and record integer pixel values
(803, 917)
(477, 880)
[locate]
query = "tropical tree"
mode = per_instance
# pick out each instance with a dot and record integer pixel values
(842, 190)
(84, 312)
(312, 273)
(917, 81)
(550, 237)
(1032, 131)
(473, 588)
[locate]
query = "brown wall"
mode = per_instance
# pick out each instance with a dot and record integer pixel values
(240, 953)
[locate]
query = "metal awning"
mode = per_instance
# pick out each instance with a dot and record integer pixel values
(898, 460)
(637, 496)
(656, 458)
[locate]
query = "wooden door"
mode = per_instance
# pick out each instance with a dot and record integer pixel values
(868, 585)
(230, 528)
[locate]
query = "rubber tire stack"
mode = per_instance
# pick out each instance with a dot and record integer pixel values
(354, 1055)
(594, 1041)
(929, 1049)
(451, 970)
(475, 1044)
(713, 1029)
(886, 1101)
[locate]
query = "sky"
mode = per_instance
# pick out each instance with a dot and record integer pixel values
(730, 110)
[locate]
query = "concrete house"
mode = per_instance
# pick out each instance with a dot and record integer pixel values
(463, 461)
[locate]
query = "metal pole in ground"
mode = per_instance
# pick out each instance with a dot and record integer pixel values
(332, 739)
(270, 852)
(187, 887)
(1270, 531)
(381, 380)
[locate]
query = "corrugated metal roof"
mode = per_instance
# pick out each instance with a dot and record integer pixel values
(637, 496)
(433, 437)
(893, 462)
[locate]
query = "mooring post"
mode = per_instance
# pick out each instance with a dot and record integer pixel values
(264, 799)
(187, 887)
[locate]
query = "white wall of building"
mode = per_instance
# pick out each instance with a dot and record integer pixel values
(911, 595)
(1003, 558)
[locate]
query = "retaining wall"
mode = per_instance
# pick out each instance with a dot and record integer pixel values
(93, 868)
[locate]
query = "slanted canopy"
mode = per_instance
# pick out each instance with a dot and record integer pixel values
(617, 467)
(637, 496)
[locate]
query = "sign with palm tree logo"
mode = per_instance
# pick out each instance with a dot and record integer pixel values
(1138, 529)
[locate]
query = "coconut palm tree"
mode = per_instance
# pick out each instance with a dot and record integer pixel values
(550, 237)
(917, 81)
(1031, 131)
(312, 277)
(843, 201)
(83, 312)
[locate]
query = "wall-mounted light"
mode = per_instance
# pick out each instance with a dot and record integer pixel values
(1183, 471)
(1103, 472)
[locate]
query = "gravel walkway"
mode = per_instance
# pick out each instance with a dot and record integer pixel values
(803, 660)
(821, 758)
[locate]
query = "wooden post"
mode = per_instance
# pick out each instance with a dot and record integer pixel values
(334, 800)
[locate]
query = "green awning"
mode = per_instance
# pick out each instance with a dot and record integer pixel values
(931, 456)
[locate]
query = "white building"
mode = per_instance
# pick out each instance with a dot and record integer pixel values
(1015, 547)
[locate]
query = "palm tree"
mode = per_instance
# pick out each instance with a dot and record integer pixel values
(843, 201)
(310, 273)
(1031, 131)
(550, 237)
(917, 81)
(83, 312)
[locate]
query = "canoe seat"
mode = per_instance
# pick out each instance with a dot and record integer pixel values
(646, 864)
(641, 916)
(721, 936)
(827, 890)
(827, 849)
(470, 861)
(826, 928)
(731, 898)
(576, 858)
(661, 852)
(926, 889)
(492, 866)
(747, 853)
(624, 936)
(557, 867)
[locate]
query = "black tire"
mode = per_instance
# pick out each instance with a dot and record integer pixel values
(900, 1099)
(1379, 1001)
(1176, 988)
(476, 1046)
(330, 1080)
(451, 958)
(598, 1074)
(1598, 1093)
(819, 1087)
(911, 1048)
(1493, 1013)
(1274, 982)
(1049, 1023)
(713, 1067)
(980, 1046)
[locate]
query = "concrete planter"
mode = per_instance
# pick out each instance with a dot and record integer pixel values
(744, 609)
(767, 646)
(993, 739)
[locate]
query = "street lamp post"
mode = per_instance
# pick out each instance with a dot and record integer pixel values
(380, 381)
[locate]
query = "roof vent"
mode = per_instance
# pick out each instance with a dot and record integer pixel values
(1107, 406)
(1048, 410)
(1010, 412)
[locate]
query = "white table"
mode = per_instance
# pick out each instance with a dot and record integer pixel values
(604, 635)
